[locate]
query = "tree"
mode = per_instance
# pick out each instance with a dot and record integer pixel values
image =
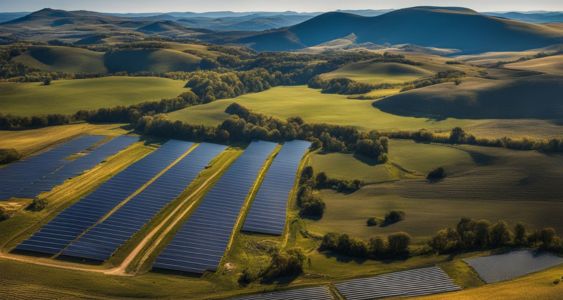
(547, 237)
(4, 214)
(520, 234)
(392, 217)
(321, 179)
(444, 241)
(37, 204)
(377, 246)
(500, 234)
(372, 221)
(482, 233)
(314, 207)
(330, 241)
(306, 174)
(286, 263)
(398, 243)
(47, 81)
(457, 135)
(436, 174)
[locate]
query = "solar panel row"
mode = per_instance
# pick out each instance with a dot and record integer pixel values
(68, 225)
(311, 293)
(21, 174)
(268, 211)
(201, 242)
(100, 242)
(77, 166)
(417, 282)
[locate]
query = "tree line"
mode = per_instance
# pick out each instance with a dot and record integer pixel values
(459, 136)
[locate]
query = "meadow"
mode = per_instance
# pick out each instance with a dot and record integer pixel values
(482, 183)
(377, 73)
(70, 96)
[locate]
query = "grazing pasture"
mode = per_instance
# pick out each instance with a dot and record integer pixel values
(481, 182)
(70, 96)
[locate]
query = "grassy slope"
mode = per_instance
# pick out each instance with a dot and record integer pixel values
(78, 60)
(69, 96)
(316, 107)
(375, 73)
(312, 106)
(63, 59)
(478, 98)
(549, 65)
(483, 183)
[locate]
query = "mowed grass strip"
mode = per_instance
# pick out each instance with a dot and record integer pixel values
(70, 96)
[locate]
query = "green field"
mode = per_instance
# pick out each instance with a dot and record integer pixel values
(312, 106)
(377, 72)
(482, 182)
(69, 96)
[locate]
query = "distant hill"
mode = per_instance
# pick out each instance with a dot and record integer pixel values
(9, 16)
(442, 27)
(535, 96)
(549, 65)
(78, 60)
(532, 17)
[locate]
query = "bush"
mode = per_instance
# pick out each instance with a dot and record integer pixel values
(377, 246)
(4, 214)
(436, 174)
(372, 221)
(37, 204)
(392, 217)
(246, 277)
(286, 263)
(313, 207)
(8, 155)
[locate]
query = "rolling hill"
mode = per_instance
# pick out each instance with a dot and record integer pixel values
(550, 65)
(535, 96)
(79, 60)
(377, 72)
(443, 27)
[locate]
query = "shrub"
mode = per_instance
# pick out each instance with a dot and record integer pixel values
(313, 207)
(286, 263)
(246, 277)
(8, 155)
(4, 214)
(436, 174)
(37, 204)
(372, 221)
(329, 242)
(392, 217)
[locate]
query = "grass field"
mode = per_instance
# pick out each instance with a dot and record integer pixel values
(482, 183)
(312, 106)
(315, 107)
(549, 65)
(69, 96)
(377, 72)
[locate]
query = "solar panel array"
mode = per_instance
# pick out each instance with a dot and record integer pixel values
(100, 242)
(268, 211)
(19, 175)
(200, 243)
(77, 166)
(514, 264)
(311, 293)
(68, 225)
(417, 282)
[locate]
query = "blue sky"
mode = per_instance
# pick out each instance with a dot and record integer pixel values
(268, 5)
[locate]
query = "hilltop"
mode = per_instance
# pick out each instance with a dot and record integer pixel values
(443, 27)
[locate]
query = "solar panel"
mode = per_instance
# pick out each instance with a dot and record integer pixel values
(268, 211)
(201, 241)
(410, 283)
(310, 293)
(77, 166)
(69, 224)
(19, 175)
(100, 242)
(510, 265)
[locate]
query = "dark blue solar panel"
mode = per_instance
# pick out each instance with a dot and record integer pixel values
(268, 211)
(102, 241)
(19, 175)
(200, 243)
(70, 223)
(77, 166)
